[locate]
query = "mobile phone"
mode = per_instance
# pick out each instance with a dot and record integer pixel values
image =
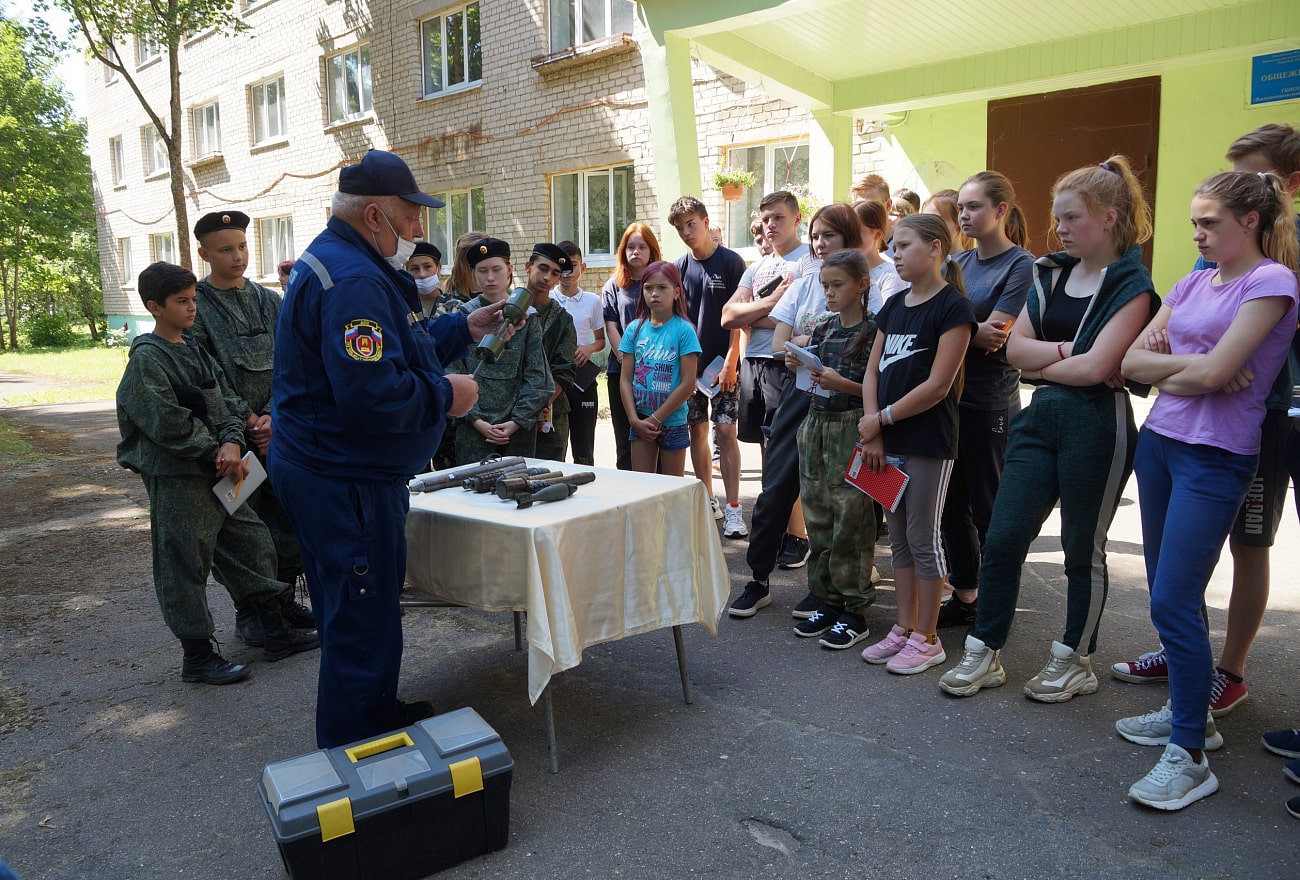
(769, 287)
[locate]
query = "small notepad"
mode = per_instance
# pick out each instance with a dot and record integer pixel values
(886, 487)
(232, 492)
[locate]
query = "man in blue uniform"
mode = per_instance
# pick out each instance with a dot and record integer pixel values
(360, 400)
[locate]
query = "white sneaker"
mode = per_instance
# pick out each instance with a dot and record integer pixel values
(733, 523)
(1067, 673)
(980, 667)
(715, 506)
(1154, 728)
(1175, 781)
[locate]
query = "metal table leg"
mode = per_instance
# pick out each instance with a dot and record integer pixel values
(681, 664)
(548, 722)
(519, 631)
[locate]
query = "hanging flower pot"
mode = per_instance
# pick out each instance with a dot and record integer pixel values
(732, 182)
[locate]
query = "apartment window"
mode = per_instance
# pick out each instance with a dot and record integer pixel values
(110, 73)
(593, 207)
(348, 75)
(464, 211)
(275, 240)
(207, 130)
(146, 49)
(777, 166)
(581, 21)
(162, 247)
(452, 51)
(269, 122)
(117, 157)
(125, 272)
(155, 152)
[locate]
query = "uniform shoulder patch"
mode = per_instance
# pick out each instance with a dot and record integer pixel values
(363, 340)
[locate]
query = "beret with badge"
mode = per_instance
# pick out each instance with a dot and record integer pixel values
(219, 220)
(426, 249)
(487, 248)
(555, 254)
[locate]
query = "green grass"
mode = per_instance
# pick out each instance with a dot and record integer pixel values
(14, 449)
(82, 373)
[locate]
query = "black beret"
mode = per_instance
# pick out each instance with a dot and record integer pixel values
(486, 248)
(553, 253)
(425, 249)
(218, 220)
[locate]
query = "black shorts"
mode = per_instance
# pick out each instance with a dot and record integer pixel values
(1261, 512)
(760, 392)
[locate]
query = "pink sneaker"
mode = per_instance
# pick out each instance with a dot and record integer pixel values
(917, 655)
(1225, 694)
(887, 647)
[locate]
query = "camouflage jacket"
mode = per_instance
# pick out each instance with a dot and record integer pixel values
(237, 327)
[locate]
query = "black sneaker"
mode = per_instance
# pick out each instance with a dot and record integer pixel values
(747, 604)
(794, 552)
(955, 612)
(848, 631)
(818, 622)
(807, 605)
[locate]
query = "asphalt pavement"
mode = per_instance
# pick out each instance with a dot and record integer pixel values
(793, 760)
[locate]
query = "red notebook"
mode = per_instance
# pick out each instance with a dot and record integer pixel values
(886, 487)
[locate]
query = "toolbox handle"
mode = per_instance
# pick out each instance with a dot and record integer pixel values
(378, 746)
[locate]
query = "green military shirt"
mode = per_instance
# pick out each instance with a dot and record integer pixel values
(237, 327)
(171, 424)
(560, 342)
(519, 384)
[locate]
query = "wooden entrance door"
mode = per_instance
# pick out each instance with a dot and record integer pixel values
(1034, 139)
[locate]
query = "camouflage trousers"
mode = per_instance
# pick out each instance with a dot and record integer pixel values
(288, 559)
(840, 519)
(471, 447)
(193, 535)
(553, 445)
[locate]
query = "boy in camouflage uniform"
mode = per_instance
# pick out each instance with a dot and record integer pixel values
(182, 427)
(560, 342)
(235, 324)
(513, 390)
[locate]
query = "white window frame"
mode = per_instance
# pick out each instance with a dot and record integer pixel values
(274, 242)
(110, 73)
(365, 97)
(117, 160)
(146, 50)
(264, 120)
(466, 72)
(738, 213)
(441, 227)
(207, 130)
(155, 152)
(162, 247)
(602, 253)
(574, 13)
(125, 271)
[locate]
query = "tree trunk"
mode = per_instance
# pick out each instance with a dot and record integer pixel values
(174, 156)
(91, 319)
(4, 297)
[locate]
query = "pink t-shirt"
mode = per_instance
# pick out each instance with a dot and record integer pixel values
(1201, 314)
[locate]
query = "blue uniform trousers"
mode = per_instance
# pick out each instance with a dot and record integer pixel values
(353, 538)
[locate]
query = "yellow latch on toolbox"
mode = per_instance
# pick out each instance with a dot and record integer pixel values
(466, 776)
(335, 819)
(378, 746)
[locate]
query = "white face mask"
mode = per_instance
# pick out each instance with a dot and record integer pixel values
(405, 247)
(427, 285)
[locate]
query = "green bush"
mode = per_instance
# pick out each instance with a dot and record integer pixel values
(49, 331)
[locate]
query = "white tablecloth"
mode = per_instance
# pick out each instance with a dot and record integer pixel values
(626, 554)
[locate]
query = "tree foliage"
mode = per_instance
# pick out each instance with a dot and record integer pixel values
(45, 189)
(111, 28)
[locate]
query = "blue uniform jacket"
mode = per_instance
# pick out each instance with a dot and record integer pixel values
(358, 388)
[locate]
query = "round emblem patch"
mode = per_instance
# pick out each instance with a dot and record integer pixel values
(363, 340)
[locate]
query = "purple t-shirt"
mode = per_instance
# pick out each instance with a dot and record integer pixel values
(1201, 314)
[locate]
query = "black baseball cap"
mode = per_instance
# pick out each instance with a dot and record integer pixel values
(384, 174)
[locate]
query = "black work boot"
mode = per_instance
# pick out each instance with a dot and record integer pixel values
(282, 640)
(205, 665)
(296, 615)
(248, 627)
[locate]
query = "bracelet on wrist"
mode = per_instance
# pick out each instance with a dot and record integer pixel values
(1060, 349)
(889, 414)
(880, 418)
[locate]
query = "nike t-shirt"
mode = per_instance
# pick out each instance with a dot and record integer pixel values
(910, 336)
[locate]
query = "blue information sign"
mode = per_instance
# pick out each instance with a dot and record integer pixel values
(1275, 77)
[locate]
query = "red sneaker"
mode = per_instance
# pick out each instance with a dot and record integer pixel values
(1148, 667)
(1225, 694)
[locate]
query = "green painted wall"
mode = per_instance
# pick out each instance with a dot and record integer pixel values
(1202, 110)
(936, 148)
